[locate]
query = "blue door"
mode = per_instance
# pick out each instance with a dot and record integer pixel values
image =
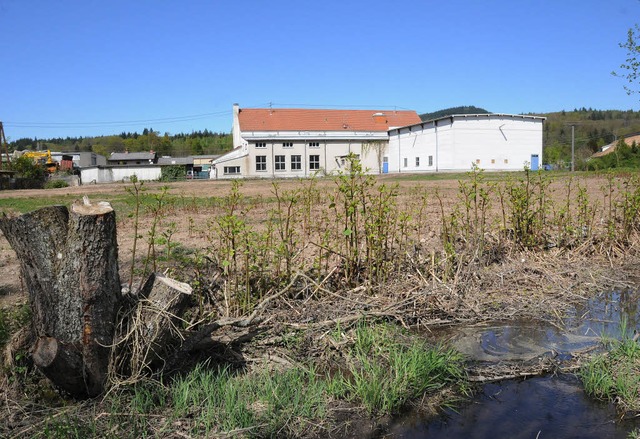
(385, 165)
(534, 162)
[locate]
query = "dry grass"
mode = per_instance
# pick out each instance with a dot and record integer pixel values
(446, 259)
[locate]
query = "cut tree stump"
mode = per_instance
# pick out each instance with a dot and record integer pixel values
(69, 260)
(157, 321)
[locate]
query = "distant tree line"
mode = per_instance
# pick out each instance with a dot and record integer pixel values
(593, 129)
(177, 145)
(470, 109)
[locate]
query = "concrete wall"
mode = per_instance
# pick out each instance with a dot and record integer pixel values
(98, 174)
(492, 142)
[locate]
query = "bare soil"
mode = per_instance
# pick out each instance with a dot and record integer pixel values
(523, 280)
(520, 283)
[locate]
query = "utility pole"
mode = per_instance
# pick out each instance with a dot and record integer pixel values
(573, 148)
(4, 148)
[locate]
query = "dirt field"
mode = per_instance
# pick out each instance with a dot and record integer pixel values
(193, 223)
(454, 252)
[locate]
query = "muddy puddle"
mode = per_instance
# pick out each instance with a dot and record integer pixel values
(550, 406)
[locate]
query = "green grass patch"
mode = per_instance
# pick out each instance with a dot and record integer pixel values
(386, 370)
(66, 427)
(12, 319)
(615, 376)
(267, 404)
(55, 184)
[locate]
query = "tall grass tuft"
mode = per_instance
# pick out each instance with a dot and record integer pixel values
(615, 376)
(266, 404)
(383, 373)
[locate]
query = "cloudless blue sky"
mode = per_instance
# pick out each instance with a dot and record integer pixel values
(94, 67)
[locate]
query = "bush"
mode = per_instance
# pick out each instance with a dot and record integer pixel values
(27, 169)
(55, 184)
(173, 173)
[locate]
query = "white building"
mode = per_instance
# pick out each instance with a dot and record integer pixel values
(496, 142)
(301, 142)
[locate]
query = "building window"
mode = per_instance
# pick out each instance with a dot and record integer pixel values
(406, 162)
(261, 163)
(261, 145)
(477, 161)
(493, 161)
(314, 162)
(287, 144)
(296, 162)
(280, 163)
(430, 160)
(506, 161)
(232, 169)
(314, 144)
(417, 162)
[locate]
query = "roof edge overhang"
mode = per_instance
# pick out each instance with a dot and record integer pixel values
(313, 135)
(469, 116)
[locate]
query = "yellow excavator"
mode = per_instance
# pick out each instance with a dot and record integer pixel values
(43, 158)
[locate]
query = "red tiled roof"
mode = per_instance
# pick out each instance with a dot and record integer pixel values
(289, 119)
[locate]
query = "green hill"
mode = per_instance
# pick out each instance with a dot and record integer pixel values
(453, 110)
(593, 130)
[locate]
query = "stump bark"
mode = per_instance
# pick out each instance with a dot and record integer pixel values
(161, 304)
(69, 260)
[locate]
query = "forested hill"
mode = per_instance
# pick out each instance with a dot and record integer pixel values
(593, 130)
(178, 145)
(453, 110)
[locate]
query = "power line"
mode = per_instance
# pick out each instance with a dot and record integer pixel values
(339, 106)
(164, 120)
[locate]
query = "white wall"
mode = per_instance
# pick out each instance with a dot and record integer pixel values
(114, 174)
(331, 157)
(493, 142)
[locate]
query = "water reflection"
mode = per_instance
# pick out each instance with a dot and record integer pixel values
(583, 327)
(546, 407)
(603, 315)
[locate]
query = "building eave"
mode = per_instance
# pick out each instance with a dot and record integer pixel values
(313, 135)
(470, 116)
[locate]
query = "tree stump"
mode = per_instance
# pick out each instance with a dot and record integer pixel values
(161, 303)
(69, 259)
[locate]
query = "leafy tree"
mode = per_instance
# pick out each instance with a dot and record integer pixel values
(630, 68)
(27, 168)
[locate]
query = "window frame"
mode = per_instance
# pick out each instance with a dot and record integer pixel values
(314, 162)
(297, 164)
(227, 170)
(261, 163)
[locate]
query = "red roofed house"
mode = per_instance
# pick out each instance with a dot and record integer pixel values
(274, 142)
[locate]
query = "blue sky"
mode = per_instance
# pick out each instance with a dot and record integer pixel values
(88, 67)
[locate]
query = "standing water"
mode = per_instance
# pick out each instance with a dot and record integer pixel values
(542, 407)
(545, 407)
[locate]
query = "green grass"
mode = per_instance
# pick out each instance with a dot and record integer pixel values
(12, 319)
(266, 404)
(615, 376)
(384, 372)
